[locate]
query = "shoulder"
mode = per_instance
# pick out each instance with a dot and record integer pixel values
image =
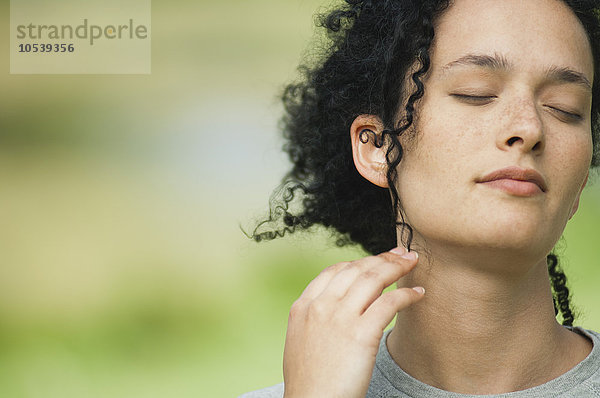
(275, 391)
(589, 368)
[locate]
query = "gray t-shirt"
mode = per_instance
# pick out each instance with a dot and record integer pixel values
(389, 380)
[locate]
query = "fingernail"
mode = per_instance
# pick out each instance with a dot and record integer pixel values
(419, 289)
(410, 255)
(398, 250)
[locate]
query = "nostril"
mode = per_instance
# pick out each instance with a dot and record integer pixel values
(512, 140)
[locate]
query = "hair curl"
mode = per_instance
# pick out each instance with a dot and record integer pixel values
(373, 46)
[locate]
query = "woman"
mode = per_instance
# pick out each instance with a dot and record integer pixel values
(477, 120)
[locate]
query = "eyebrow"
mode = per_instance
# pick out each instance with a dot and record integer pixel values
(495, 61)
(499, 62)
(567, 75)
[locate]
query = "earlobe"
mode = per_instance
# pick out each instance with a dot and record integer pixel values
(367, 149)
(576, 204)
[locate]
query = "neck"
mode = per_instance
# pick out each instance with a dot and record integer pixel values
(485, 326)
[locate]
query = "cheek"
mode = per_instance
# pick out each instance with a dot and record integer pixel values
(567, 163)
(436, 170)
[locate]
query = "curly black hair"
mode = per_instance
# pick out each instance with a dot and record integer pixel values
(373, 45)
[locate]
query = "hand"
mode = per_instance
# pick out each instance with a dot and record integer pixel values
(335, 326)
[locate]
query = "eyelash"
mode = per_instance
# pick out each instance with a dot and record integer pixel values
(474, 98)
(484, 99)
(573, 116)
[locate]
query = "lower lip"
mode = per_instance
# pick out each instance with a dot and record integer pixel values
(515, 187)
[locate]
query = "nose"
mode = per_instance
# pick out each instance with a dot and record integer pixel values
(523, 130)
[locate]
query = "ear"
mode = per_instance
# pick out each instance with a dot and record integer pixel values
(576, 204)
(369, 160)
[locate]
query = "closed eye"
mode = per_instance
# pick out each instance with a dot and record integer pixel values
(562, 114)
(474, 99)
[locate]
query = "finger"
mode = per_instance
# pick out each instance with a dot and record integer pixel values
(368, 286)
(317, 285)
(382, 311)
(338, 286)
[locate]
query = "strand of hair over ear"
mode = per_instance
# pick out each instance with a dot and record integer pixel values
(365, 134)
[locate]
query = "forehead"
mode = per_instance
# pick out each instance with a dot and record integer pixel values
(533, 35)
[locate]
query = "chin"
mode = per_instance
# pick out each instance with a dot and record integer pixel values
(527, 233)
(531, 242)
(516, 234)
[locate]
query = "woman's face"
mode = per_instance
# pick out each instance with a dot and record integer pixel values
(507, 87)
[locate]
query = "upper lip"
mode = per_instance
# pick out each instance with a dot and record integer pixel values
(517, 173)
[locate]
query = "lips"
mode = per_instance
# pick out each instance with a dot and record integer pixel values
(518, 174)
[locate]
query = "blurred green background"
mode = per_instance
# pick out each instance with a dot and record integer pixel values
(123, 272)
